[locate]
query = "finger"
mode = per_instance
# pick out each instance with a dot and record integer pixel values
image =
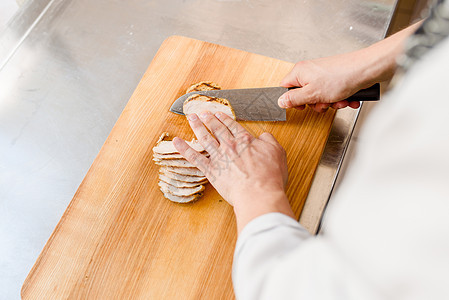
(242, 138)
(301, 107)
(340, 104)
(321, 107)
(218, 129)
(240, 144)
(209, 143)
(299, 96)
(269, 138)
(195, 158)
(354, 104)
(235, 128)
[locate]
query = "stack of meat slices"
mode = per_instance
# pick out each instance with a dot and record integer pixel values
(179, 180)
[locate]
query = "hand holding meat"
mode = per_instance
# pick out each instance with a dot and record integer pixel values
(239, 163)
(249, 173)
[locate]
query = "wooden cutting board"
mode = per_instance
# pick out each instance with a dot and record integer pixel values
(120, 238)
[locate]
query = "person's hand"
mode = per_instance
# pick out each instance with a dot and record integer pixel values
(327, 82)
(324, 82)
(249, 173)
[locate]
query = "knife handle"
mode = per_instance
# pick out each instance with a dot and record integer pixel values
(369, 94)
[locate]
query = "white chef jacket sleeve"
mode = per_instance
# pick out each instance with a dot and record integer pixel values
(276, 258)
(254, 259)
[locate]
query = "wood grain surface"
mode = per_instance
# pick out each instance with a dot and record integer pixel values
(120, 238)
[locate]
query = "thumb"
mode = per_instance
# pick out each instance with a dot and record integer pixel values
(296, 97)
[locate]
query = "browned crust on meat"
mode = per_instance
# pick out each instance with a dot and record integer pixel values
(204, 98)
(164, 137)
(203, 86)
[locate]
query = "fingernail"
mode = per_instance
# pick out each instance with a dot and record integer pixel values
(283, 102)
(219, 115)
(192, 117)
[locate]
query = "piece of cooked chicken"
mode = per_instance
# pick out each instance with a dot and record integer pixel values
(203, 86)
(158, 156)
(180, 184)
(186, 199)
(167, 156)
(180, 177)
(180, 191)
(183, 171)
(174, 163)
(167, 147)
(199, 103)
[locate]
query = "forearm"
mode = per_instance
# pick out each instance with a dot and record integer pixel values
(256, 204)
(378, 61)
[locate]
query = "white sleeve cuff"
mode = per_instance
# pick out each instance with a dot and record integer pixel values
(267, 222)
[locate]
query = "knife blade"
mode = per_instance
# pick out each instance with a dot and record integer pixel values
(260, 104)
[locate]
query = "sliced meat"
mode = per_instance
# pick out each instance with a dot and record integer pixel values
(178, 191)
(167, 156)
(174, 163)
(199, 103)
(164, 146)
(183, 171)
(179, 199)
(180, 184)
(172, 156)
(185, 178)
(203, 86)
(163, 136)
(174, 167)
(167, 147)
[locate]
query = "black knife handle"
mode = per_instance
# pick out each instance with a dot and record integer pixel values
(369, 94)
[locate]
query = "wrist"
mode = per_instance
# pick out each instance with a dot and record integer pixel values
(251, 206)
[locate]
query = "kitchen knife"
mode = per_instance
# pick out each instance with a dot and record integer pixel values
(261, 104)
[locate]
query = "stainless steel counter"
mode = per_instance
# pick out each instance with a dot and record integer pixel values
(68, 67)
